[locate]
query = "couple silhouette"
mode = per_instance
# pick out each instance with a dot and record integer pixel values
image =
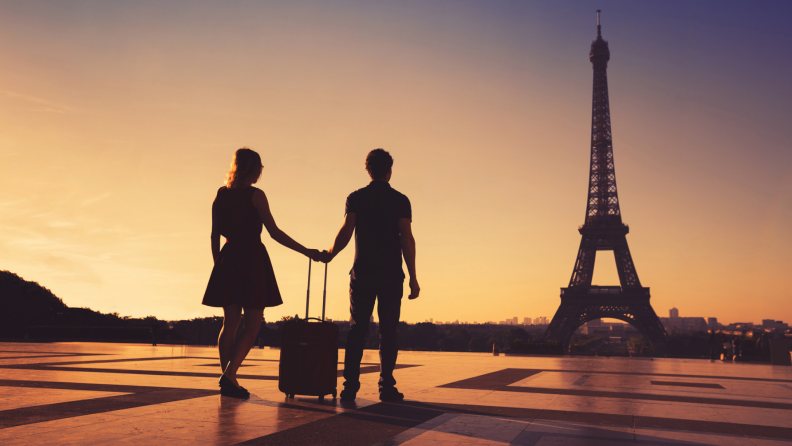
(243, 278)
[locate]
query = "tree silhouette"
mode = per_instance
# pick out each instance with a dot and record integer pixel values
(24, 303)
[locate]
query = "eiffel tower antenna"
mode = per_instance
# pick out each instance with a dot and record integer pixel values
(603, 230)
(599, 28)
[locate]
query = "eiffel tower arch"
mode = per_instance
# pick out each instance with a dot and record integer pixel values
(603, 230)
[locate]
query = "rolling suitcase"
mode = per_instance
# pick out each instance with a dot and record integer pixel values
(309, 353)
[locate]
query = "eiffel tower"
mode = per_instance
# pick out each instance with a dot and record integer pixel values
(603, 230)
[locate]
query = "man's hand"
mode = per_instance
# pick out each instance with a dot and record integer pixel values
(408, 250)
(414, 289)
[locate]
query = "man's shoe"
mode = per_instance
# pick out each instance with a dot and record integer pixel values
(391, 395)
(348, 395)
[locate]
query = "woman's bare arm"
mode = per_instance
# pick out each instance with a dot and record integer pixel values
(215, 246)
(215, 237)
(262, 205)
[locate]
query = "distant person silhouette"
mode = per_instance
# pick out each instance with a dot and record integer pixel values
(763, 345)
(242, 276)
(727, 348)
(155, 330)
(381, 220)
(736, 347)
(714, 343)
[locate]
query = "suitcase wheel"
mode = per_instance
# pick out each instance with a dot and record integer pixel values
(321, 397)
(290, 395)
(334, 393)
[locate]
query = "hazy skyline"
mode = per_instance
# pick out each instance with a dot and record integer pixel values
(118, 121)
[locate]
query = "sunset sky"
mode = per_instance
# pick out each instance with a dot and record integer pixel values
(118, 121)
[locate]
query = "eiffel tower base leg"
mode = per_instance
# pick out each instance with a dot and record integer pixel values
(632, 307)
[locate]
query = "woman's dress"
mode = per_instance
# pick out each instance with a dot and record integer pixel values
(242, 274)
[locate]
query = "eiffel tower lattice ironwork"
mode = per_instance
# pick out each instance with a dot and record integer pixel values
(603, 230)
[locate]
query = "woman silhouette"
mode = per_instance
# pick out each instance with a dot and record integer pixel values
(242, 276)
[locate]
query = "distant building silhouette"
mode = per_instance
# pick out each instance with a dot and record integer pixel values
(774, 324)
(684, 324)
(673, 312)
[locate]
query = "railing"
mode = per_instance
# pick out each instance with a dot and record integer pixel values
(624, 224)
(594, 289)
(604, 289)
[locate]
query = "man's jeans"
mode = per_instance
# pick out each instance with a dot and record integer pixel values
(362, 297)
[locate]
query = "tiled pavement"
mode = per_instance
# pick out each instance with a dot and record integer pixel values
(81, 393)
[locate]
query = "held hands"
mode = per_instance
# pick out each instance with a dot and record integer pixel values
(414, 289)
(317, 256)
(314, 254)
(325, 257)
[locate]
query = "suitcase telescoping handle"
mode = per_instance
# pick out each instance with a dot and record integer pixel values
(308, 293)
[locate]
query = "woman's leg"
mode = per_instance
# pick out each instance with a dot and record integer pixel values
(249, 331)
(232, 314)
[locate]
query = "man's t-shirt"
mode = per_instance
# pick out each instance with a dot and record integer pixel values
(378, 254)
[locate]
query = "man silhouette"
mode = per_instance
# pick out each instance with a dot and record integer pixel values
(381, 218)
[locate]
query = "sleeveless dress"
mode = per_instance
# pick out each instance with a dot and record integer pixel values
(243, 273)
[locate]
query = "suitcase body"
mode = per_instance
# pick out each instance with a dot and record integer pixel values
(309, 353)
(309, 358)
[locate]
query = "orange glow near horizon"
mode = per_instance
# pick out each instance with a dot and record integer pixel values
(117, 124)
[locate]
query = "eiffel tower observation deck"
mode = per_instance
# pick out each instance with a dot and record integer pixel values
(603, 230)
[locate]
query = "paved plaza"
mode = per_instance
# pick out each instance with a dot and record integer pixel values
(91, 393)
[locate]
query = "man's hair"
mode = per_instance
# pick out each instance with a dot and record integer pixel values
(378, 163)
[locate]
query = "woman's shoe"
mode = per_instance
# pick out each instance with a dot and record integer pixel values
(227, 384)
(234, 392)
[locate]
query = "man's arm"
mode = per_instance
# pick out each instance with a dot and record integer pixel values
(408, 249)
(344, 235)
